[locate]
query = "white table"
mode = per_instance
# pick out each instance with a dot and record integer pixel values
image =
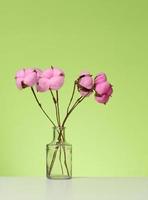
(38, 188)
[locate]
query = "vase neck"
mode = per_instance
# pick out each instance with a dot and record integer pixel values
(59, 134)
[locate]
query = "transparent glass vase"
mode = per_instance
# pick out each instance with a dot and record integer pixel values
(59, 156)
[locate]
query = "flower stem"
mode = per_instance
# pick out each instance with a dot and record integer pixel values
(58, 107)
(53, 160)
(60, 159)
(35, 96)
(72, 96)
(79, 100)
(65, 161)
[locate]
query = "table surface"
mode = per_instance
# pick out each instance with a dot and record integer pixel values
(78, 188)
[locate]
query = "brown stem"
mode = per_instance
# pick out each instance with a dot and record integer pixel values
(72, 96)
(55, 152)
(61, 161)
(54, 156)
(60, 134)
(58, 107)
(62, 137)
(53, 160)
(34, 94)
(75, 104)
(65, 161)
(79, 100)
(55, 104)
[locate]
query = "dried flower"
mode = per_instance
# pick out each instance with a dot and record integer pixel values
(51, 78)
(26, 78)
(85, 84)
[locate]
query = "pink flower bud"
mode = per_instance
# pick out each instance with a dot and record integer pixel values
(38, 73)
(103, 89)
(101, 77)
(26, 78)
(110, 91)
(57, 72)
(30, 79)
(48, 73)
(85, 84)
(42, 85)
(102, 99)
(20, 73)
(52, 78)
(56, 82)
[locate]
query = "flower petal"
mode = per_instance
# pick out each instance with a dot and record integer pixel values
(48, 73)
(56, 82)
(102, 99)
(102, 88)
(20, 73)
(100, 78)
(42, 85)
(86, 82)
(83, 93)
(110, 91)
(28, 71)
(57, 72)
(30, 79)
(38, 73)
(19, 83)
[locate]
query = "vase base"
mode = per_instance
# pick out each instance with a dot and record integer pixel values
(58, 177)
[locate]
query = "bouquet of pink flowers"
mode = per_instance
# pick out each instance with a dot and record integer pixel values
(52, 79)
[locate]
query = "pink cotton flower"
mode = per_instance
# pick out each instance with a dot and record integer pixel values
(102, 99)
(26, 78)
(51, 78)
(101, 77)
(85, 84)
(103, 89)
(38, 73)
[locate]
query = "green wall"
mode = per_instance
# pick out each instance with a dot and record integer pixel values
(92, 35)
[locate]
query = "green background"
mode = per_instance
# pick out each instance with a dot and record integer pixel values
(92, 35)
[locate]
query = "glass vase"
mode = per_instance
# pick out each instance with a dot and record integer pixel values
(59, 156)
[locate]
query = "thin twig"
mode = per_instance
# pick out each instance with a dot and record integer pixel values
(72, 96)
(65, 160)
(35, 96)
(58, 107)
(60, 159)
(55, 104)
(79, 100)
(53, 160)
